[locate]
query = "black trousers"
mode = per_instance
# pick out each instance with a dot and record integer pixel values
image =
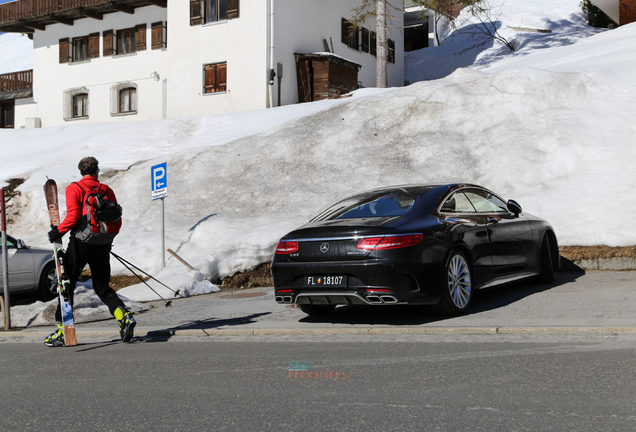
(98, 259)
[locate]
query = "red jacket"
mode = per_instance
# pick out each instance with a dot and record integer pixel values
(75, 207)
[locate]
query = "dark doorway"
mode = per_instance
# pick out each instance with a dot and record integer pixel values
(7, 114)
(415, 32)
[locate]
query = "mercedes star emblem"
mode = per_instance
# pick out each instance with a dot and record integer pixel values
(324, 247)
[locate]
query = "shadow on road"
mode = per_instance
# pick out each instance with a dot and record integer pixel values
(203, 325)
(406, 315)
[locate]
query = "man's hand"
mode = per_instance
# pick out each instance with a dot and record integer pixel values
(54, 234)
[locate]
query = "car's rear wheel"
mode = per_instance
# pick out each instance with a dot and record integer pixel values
(47, 288)
(311, 309)
(546, 274)
(457, 292)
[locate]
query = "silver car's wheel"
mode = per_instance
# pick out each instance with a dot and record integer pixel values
(48, 282)
(457, 291)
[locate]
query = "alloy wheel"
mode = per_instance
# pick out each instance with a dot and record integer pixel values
(459, 282)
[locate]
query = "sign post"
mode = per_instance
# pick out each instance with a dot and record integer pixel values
(159, 180)
(5, 264)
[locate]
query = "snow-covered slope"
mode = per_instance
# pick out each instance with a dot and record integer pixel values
(552, 128)
(467, 47)
(17, 53)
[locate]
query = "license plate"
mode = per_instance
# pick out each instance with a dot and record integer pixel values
(325, 281)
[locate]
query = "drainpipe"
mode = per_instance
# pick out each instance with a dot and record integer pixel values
(270, 54)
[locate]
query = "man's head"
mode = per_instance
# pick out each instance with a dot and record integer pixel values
(88, 166)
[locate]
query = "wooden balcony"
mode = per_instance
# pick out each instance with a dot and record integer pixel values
(16, 85)
(26, 16)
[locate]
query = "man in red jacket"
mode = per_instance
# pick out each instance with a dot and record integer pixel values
(97, 256)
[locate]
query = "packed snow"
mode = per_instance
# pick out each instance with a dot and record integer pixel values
(17, 53)
(549, 125)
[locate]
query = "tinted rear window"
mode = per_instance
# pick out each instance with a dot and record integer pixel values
(383, 204)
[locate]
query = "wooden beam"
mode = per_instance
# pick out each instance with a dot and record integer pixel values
(32, 25)
(91, 14)
(160, 3)
(26, 30)
(122, 8)
(60, 19)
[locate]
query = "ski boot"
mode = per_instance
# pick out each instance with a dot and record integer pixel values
(126, 323)
(56, 338)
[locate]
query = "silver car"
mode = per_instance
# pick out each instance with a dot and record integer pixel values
(30, 269)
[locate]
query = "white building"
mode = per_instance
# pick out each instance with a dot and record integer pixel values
(131, 60)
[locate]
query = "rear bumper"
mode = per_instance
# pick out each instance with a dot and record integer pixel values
(374, 282)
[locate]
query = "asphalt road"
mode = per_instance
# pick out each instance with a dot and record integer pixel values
(353, 383)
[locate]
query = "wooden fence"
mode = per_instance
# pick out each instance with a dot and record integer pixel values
(16, 81)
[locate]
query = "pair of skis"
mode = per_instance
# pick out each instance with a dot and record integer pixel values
(63, 282)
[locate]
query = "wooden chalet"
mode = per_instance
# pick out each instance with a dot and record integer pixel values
(15, 85)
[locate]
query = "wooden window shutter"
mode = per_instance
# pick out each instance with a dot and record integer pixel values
(221, 77)
(196, 12)
(93, 45)
(374, 44)
(158, 34)
(65, 54)
(365, 40)
(109, 45)
(344, 30)
(140, 37)
(232, 9)
(210, 79)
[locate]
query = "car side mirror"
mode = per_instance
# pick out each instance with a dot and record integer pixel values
(514, 207)
(20, 244)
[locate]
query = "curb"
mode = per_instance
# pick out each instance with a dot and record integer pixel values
(365, 331)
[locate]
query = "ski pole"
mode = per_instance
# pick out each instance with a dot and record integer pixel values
(122, 260)
(168, 303)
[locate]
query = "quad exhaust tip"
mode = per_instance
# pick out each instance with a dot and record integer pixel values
(283, 299)
(383, 299)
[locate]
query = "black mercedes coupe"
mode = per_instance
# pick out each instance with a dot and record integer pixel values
(416, 244)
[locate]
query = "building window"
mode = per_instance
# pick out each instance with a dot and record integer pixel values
(349, 34)
(76, 103)
(391, 51)
(80, 105)
(125, 41)
(79, 49)
(128, 100)
(215, 78)
(207, 11)
(123, 99)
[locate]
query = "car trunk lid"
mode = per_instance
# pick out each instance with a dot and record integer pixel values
(337, 240)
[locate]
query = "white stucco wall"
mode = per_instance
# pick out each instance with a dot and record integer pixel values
(240, 42)
(51, 78)
(24, 109)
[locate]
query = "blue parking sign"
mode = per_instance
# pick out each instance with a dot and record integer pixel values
(159, 179)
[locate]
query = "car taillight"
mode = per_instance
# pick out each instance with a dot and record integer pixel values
(286, 247)
(390, 242)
